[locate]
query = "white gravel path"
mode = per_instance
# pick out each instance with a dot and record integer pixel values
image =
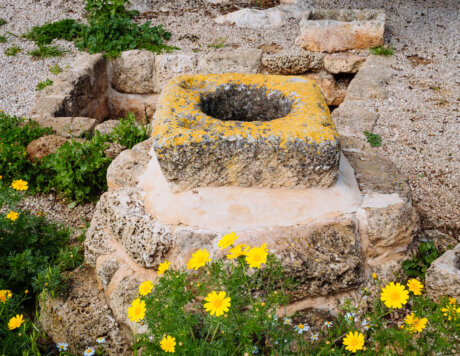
(419, 123)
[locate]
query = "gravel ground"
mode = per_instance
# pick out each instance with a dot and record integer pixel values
(419, 123)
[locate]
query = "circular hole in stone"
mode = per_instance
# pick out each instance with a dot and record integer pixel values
(239, 102)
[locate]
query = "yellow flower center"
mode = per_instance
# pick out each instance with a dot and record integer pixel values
(395, 296)
(217, 303)
(301, 326)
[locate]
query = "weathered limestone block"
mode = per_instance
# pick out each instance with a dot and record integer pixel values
(113, 149)
(127, 168)
(170, 65)
(332, 91)
(69, 126)
(134, 72)
(387, 225)
(105, 269)
(255, 19)
(341, 30)
(241, 60)
(343, 63)
(245, 130)
(122, 104)
(96, 109)
(73, 91)
(369, 82)
(106, 127)
(82, 317)
(377, 174)
(324, 259)
(44, 146)
(122, 296)
(443, 277)
(291, 62)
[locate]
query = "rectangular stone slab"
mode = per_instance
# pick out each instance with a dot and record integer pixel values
(247, 130)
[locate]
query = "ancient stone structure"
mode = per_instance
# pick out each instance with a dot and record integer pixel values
(245, 130)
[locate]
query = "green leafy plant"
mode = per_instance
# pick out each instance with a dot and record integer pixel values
(12, 51)
(46, 51)
(382, 50)
(374, 139)
(3, 39)
(15, 134)
(416, 267)
(44, 35)
(128, 132)
(56, 69)
(219, 43)
(42, 85)
(3, 22)
(78, 169)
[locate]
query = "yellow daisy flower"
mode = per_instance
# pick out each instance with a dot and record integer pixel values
(452, 301)
(217, 304)
(199, 259)
(394, 295)
(12, 215)
(19, 184)
(353, 341)
(168, 344)
(450, 311)
(136, 311)
(256, 256)
(163, 267)
(237, 251)
(415, 286)
(5, 294)
(227, 240)
(419, 324)
(15, 322)
(374, 276)
(145, 288)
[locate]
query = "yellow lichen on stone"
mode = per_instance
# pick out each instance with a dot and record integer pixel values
(179, 119)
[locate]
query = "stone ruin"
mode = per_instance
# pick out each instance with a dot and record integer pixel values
(258, 154)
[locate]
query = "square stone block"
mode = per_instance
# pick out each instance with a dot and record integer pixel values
(247, 130)
(341, 30)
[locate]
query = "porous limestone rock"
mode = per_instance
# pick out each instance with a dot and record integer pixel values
(241, 60)
(341, 30)
(44, 146)
(255, 19)
(343, 63)
(332, 91)
(106, 270)
(106, 127)
(170, 65)
(387, 225)
(82, 316)
(113, 149)
(291, 62)
(443, 277)
(379, 175)
(97, 109)
(121, 104)
(369, 82)
(69, 127)
(127, 169)
(245, 130)
(73, 90)
(134, 72)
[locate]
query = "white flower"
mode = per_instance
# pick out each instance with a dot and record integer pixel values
(314, 337)
(100, 340)
(256, 350)
(366, 324)
(351, 317)
(89, 352)
(62, 346)
(328, 324)
(287, 321)
(301, 328)
(151, 338)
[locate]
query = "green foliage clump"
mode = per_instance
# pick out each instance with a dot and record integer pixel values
(42, 85)
(15, 134)
(78, 169)
(3, 39)
(56, 69)
(374, 139)
(416, 267)
(110, 29)
(46, 51)
(128, 133)
(44, 35)
(12, 51)
(28, 245)
(382, 50)
(219, 43)
(3, 22)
